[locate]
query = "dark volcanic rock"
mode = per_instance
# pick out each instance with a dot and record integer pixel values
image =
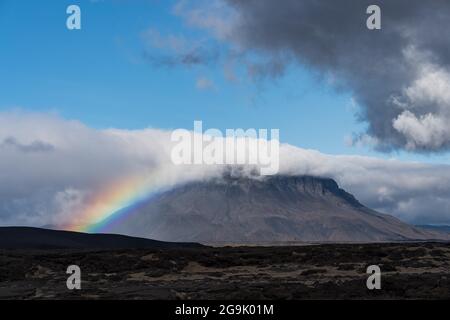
(331, 271)
(273, 209)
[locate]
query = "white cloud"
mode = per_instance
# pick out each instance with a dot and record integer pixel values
(426, 104)
(51, 185)
(171, 42)
(429, 131)
(212, 15)
(204, 83)
(432, 83)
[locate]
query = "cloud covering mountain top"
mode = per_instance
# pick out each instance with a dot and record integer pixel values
(52, 168)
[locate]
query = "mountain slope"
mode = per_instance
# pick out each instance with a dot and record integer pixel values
(36, 238)
(278, 208)
(445, 229)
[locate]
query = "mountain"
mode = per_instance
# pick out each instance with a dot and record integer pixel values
(444, 228)
(36, 238)
(272, 209)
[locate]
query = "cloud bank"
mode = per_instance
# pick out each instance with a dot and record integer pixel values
(51, 168)
(399, 75)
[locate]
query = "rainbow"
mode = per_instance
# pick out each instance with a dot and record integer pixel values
(113, 203)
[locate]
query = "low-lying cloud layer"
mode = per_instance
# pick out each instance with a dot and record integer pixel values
(399, 75)
(51, 168)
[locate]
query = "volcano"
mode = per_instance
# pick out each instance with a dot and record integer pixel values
(265, 210)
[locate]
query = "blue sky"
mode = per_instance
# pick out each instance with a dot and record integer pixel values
(98, 75)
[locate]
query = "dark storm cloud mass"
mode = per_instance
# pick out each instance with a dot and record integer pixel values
(399, 75)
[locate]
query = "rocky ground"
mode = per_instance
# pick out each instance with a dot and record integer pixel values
(409, 271)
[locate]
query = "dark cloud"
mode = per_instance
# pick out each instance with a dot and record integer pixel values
(35, 146)
(194, 57)
(399, 75)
